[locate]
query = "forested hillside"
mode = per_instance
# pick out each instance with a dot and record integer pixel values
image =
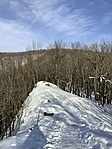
(80, 69)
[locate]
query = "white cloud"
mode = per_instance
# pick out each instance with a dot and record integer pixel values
(56, 15)
(63, 18)
(108, 17)
(14, 36)
(44, 21)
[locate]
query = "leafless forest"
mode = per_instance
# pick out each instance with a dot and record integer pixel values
(80, 69)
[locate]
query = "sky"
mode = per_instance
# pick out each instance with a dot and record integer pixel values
(44, 21)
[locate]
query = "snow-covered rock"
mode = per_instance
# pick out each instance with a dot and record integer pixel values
(76, 123)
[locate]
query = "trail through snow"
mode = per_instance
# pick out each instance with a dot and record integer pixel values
(77, 123)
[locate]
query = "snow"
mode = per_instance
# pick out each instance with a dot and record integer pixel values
(77, 123)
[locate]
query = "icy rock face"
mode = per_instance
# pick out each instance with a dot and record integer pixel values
(54, 119)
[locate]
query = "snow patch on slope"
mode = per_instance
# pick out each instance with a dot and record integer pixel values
(77, 122)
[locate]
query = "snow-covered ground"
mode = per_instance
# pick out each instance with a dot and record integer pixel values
(77, 123)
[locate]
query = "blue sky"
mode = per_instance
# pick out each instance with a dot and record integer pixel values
(44, 21)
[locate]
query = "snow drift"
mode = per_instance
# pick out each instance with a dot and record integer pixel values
(75, 123)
